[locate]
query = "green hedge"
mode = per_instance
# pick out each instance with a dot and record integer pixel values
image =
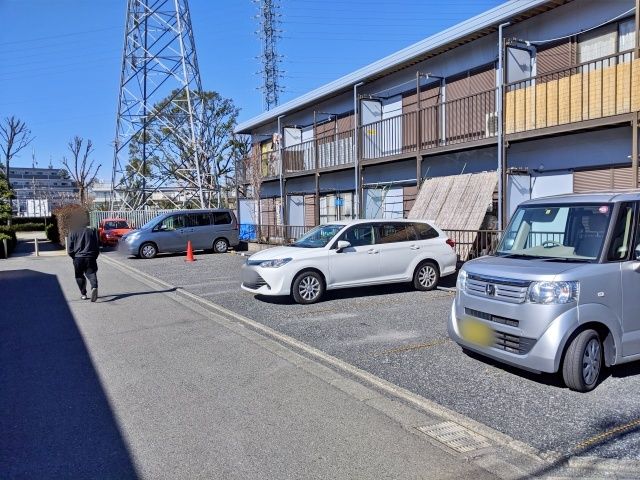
(8, 234)
(52, 233)
(28, 227)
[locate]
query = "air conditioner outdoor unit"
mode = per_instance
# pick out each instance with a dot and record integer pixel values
(491, 124)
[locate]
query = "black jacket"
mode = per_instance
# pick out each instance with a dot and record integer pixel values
(83, 243)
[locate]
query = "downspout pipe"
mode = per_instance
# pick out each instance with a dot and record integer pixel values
(282, 219)
(500, 115)
(356, 138)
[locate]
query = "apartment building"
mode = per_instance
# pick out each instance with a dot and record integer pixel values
(47, 188)
(539, 96)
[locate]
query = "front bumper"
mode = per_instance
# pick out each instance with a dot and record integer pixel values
(542, 350)
(266, 281)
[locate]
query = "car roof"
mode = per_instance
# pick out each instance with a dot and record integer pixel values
(379, 220)
(597, 197)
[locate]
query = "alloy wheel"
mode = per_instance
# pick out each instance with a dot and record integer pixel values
(427, 276)
(309, 287)
(591, 361)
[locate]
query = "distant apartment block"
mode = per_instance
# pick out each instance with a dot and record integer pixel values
(39, 191)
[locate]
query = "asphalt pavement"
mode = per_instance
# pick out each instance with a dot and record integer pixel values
(400, 335)
(147, 384)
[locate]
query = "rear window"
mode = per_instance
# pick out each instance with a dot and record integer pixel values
(396, 232)
(221, 218)
(114, 224)
(425, 231)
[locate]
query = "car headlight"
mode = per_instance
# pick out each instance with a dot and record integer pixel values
(548, 293)
(277, 263)
(461, 283)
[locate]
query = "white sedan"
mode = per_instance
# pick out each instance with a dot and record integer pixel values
(352, 254)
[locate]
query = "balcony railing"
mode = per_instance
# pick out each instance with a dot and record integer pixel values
(592, 90)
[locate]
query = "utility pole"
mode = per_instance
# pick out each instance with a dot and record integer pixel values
(635, 119)
(158, 62)
(269, 33)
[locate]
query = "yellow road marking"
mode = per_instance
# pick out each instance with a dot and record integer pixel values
(607, 434)
(415, 346)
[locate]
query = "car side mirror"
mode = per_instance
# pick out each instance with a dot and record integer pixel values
(342, 244)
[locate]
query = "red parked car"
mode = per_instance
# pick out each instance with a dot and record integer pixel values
(111, 229)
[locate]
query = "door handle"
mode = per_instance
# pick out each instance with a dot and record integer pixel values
(372, 251)
(415, 247)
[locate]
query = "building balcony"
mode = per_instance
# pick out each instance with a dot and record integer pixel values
(592, 94)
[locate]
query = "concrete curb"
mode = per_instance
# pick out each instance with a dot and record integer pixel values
(524, 453)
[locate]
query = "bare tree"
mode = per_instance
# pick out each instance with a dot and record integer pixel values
(14, 136)
(80, 168)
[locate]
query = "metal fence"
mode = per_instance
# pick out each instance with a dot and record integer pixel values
(272, 234)
(135, 218)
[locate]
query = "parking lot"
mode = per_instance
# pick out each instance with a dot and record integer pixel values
(400, 335)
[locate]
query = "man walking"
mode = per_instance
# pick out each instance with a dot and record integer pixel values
(83, 248)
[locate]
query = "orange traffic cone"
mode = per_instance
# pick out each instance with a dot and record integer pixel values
(189, 252)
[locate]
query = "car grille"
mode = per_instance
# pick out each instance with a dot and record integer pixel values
(513, 343)
(256, 282)
(506, 290)
(491, 318)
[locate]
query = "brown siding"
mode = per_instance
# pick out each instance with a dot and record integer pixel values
(469, 99)
(429, 97)
(618, 178)
(309, 210)
(268, 211)
(554, 57)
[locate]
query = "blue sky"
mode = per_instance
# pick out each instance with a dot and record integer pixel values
(60, 60)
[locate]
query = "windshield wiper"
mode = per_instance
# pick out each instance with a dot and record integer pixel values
(514, 255)
(567, 259)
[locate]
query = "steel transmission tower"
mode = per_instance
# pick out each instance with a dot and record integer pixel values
(158, 134)
(269, 33)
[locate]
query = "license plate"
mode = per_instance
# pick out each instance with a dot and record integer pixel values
(476, 332)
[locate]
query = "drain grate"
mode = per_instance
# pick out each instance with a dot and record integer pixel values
(456, 436)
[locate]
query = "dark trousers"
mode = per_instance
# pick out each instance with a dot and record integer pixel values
(85, 267)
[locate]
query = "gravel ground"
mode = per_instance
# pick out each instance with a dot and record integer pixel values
(400, 335)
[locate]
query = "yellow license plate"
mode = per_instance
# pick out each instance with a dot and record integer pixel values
(476, 332)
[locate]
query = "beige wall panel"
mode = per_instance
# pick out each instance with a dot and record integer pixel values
(564, 101)
(594, 87)
(609, 91)
(575, 105)
(541, 105)
(509, 114)
(530, 114)
(623, 88)
(520, 110)
(552, 103)
(635, 86)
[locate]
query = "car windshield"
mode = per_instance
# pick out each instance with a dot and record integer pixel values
(319, 237)
(151, 223)
(556, 232)
(114, 224)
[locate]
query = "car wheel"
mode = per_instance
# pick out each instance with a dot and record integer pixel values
(220, 245)
(583, 362)
(148, 250)
(308, 287)
(426, 276)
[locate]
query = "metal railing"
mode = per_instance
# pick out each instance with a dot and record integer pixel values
(272, 234)
(470, 244)
(596, 89)
(135, 218)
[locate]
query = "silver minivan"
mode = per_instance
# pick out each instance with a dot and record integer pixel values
(215, 230)
(561, 292)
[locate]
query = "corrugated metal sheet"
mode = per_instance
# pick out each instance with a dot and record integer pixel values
(458, 202)
(604, 179)
(464, 32)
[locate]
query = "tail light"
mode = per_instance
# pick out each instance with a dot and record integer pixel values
(451, 243)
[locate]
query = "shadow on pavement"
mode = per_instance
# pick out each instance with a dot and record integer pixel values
(120, 296)
(27, 247)
(55, 418)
